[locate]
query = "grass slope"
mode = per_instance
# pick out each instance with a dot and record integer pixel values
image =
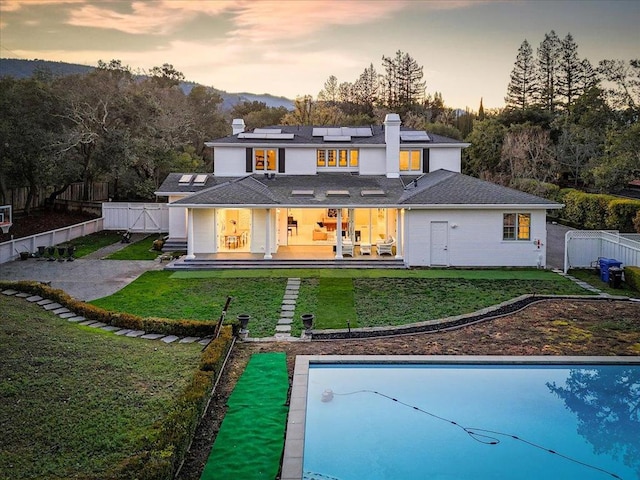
(75, 401)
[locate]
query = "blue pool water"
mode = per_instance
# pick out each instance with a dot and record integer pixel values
(393, 421)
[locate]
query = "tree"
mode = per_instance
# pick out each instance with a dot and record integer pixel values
(166, 75)
(403, 87)
(570, 71)
(482, 157)
(330, 91)
(481, 111)
(547, 66)
(621, 161)
(27, 128)
(365, 90)
(523, 83)
(308, 112)
(625, 83)
(527, 152)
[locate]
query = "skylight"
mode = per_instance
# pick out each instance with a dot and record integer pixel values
(301, 192)
(200, 179)
(185, 179)
(338, 193)
(373, 193)
(266, 136)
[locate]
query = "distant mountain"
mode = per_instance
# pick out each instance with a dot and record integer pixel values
(12, 67)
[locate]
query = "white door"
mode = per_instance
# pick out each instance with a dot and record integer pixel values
(439, 241)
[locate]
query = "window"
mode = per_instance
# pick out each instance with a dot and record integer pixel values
(411, 160)
(516, 226)
(333, 158)
(265, 160)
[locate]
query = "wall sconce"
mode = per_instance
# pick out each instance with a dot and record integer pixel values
(454, 225)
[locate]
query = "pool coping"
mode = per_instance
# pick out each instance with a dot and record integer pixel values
(292, 461)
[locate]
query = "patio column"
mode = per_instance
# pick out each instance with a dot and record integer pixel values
(339, 235)
(190, 254)
(399, 230)
(267, 241)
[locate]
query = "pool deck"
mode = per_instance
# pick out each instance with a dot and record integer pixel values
(292, 462)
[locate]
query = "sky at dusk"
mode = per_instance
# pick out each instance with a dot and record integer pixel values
(290, 47)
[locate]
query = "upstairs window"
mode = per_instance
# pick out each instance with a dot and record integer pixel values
(411, 160)
(265, 160)
(516, 226)
(337, 158)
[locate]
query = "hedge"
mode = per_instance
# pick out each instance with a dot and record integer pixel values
(597, 211)
(632, 277)
(180, 328)
(165, 452)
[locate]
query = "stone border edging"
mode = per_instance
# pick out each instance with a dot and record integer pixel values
(66, 314)
(454, 322)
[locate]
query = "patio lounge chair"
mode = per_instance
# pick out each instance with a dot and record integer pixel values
(347, 249)
(385, 247)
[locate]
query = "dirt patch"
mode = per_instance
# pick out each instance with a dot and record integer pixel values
(553, 327)
(43, 221)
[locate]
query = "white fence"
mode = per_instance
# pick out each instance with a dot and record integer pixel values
(136, 217)
(583, 247)
(11, 250)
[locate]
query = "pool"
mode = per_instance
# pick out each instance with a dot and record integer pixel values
(477, 418)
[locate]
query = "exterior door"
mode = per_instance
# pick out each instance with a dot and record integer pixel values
(439, 243)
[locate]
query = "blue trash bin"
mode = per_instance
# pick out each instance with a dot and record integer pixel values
(605, 265)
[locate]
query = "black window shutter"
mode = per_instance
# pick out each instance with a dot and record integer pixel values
(425, 160)
(249, 167)
(281, 160)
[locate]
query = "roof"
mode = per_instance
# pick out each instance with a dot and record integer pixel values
(303, 135)
(437, 188)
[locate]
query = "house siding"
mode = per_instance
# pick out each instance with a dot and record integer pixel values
(476, 239)
(445, 159)
(177, 219)
(230, 162)
(204, 230)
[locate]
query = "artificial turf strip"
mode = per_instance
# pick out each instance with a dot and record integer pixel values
(251, 438)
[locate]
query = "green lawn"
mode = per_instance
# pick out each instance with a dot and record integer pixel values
(364, 297)
(90, 243)
(591, 277)
(141, 250)
(76, 401)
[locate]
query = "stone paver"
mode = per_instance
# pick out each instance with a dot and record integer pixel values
(67, 315)
(76, 319)
(169, 339)
(52, 306)
(61, 310)
(98, 325)
(87, 323)
(288, 308)
(23, 295)
(44, 301)
(283, 328)
(287, 314)
(135, 333)
(285, 321)
(152, 336)
(34, 298)
(189, 339)
(9, 292)
(124, 331)
(110, 328)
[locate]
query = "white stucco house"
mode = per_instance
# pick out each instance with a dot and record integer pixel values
(349, 193)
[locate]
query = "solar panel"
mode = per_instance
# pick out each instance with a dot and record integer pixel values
(319, 131)
(302, 192)
(337, 138)
(414, 136)
(267, 136)
(185, 179)
(267, 130)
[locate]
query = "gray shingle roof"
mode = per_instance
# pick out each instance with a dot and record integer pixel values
(448, 188)
(436, 188)
(303, 135)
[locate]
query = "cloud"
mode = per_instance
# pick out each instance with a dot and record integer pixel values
(15, 5)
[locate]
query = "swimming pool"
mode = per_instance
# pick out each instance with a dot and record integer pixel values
(464, 418)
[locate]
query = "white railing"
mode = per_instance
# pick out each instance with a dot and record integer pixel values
(136, 217)
(583, 247)
(11, 250)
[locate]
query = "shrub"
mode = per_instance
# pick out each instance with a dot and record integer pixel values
(636, 222)
(632, 277)
(621, 213)
(536, 187)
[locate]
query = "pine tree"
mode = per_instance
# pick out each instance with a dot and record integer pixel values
(569, 71)
(403, 86)
(365, 90)
(547, 66)
(522, 86)
(481, 111)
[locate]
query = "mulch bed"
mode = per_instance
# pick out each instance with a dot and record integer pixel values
(553, 327)
(43, 221)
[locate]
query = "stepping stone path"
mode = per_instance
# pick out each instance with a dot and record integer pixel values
(584, 285)
(287, 309)
(64, 313)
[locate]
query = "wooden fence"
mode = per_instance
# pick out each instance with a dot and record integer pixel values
(17, 197)
(136, 217)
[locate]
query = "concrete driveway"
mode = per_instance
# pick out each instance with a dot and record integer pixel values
(555, 245)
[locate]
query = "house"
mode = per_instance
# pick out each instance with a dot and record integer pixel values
(368, 191)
